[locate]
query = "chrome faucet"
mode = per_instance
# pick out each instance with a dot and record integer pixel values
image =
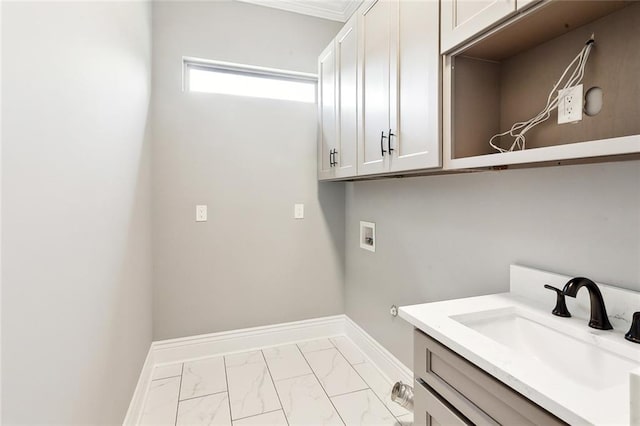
(599, 317)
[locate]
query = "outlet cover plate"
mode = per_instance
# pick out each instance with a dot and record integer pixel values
(570, 104)
(201, 213)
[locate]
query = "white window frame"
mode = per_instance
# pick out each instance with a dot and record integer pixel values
(189, 63)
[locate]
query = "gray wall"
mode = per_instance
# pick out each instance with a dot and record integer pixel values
(76, 268)
(444, 237)
(249, 160)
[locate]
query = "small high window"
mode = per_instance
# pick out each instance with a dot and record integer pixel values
(243, 80)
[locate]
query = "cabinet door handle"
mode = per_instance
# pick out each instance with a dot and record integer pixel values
(331, 158)
(382, 138)
(390, 149)
(335, 157)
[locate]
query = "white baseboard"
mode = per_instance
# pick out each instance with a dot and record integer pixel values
(391, 366)
(208, 345)
(140, 393)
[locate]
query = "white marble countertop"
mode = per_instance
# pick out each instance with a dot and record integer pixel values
(575, 399)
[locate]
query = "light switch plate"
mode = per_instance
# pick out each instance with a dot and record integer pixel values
(201, 213)
(298, 211)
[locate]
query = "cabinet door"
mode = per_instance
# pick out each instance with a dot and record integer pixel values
(463, 19)
(432, 410)
(347, 99)
(374, 60)
(326, 111)
(415, 88)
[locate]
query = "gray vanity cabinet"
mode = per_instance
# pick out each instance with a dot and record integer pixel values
(431, 409)
(449, 390)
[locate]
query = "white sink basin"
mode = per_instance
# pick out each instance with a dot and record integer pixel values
(571, 358)
(582, 375)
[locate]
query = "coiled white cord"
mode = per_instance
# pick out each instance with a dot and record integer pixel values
(519, 129)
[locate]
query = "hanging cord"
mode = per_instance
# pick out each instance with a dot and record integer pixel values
(519, 129)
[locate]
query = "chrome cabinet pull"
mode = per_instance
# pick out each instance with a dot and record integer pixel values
(382, 138)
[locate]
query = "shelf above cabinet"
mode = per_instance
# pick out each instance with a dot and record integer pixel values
(624, 148)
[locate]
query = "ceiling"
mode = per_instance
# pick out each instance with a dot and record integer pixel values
(335, 10)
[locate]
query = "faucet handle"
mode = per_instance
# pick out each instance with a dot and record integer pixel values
(561, 307)
(633, 335)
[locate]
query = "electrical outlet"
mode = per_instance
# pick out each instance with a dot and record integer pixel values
(201, 213)
(570, 104)
(298, 211)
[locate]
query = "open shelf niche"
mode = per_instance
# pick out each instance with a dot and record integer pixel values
(505, 77)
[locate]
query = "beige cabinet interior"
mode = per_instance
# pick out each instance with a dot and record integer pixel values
(506, 77)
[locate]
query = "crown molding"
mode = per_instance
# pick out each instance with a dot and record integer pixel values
(339, 11)
(350, 8)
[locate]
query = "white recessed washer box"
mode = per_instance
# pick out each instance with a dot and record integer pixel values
(368, 236)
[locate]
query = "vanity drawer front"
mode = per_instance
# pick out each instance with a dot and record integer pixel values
(431, 409)
(467, 387)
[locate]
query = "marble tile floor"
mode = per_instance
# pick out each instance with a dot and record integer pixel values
(319, 382)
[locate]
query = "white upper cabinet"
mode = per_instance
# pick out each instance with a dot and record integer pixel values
(375, 63)
(399, 86)
(326, 112)
(463, 19)
(338, 105)
(345, 160)
(425, 85)
(415, 100)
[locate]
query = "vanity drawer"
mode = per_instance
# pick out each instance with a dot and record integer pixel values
(477, 395)
(431, 409)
